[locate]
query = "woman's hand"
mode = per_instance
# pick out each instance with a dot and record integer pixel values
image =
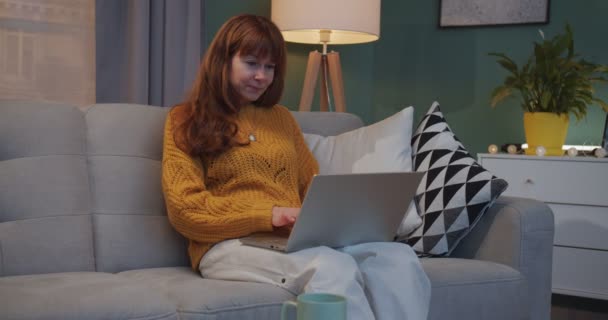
(284, 216)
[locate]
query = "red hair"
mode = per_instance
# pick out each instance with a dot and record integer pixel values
(207, 119)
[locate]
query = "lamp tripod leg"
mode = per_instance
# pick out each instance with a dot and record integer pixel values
(337, 85)
(324, 99)
(310, 80)
(331, 71)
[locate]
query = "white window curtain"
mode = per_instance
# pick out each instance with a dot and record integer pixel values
(47, 50)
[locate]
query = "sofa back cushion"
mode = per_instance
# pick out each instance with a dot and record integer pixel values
(82, 191)
(45, 220)
(327, 123)
(124, 152)
(130, 222)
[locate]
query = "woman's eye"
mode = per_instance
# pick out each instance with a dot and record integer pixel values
(251, 63)
(270, 67)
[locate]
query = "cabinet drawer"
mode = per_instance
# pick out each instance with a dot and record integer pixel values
(581, 226)
(555, 181)
(580, 272)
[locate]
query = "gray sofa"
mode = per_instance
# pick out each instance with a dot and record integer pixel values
(84, 232)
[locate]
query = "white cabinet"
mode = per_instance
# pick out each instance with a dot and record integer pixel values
(576, 189)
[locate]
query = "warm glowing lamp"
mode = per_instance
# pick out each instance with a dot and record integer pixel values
(326, 22)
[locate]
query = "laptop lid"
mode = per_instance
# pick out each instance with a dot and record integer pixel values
(347, 209)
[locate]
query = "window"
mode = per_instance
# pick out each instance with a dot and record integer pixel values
(17, 51)
(47, 50)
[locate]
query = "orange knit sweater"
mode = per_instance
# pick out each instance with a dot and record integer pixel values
(234, 196)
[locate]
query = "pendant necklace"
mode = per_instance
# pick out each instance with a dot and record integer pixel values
(252, 136)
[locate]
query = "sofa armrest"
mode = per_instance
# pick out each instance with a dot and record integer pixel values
(517, 232)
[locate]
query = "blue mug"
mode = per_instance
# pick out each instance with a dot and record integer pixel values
(316, 306)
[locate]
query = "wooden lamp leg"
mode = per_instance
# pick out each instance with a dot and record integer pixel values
(331, 71)
(310, 80)
(324, 99)
(337, 86)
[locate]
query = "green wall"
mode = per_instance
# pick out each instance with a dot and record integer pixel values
(415, 63)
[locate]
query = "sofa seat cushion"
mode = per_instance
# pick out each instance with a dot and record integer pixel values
(198, 298)
(475, 289)
(81, 295)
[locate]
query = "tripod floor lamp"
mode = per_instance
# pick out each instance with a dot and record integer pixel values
(326, 22)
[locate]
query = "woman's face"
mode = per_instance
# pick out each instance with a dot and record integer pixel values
(250, 76)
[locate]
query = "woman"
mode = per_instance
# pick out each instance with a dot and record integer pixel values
(235, 163)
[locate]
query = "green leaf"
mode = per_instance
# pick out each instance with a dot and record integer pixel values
(570, 35)
(499, 94)
(602, 104)
(505, 62)
(545, 100)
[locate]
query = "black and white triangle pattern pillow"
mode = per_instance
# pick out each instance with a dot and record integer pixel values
(455, 190)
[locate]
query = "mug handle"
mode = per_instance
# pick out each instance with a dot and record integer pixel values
(288, 305)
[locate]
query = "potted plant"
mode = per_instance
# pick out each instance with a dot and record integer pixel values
(552, 84)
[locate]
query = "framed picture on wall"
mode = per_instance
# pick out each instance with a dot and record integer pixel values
(473, 13)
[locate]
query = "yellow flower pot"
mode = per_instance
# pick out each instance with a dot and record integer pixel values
(545, 129)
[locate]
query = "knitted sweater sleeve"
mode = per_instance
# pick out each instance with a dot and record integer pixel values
(194, 211)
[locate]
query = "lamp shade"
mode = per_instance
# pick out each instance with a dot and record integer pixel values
(348, 21)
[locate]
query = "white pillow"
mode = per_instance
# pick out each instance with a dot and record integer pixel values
(384, 146)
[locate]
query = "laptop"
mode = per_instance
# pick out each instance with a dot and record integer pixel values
(346, 209)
